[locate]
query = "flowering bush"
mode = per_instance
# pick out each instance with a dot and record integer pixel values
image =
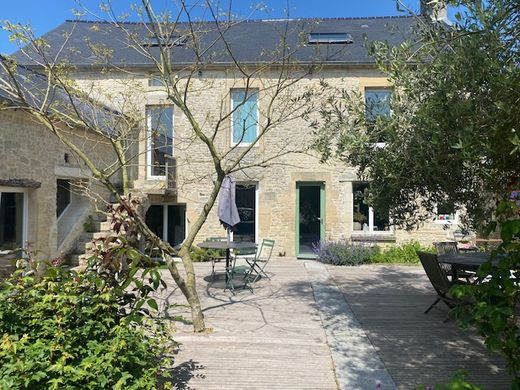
(342, 252)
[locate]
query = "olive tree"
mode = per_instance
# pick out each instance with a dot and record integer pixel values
(452, 136)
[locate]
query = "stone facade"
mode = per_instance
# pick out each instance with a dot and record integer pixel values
(30, 151)
(277, 182)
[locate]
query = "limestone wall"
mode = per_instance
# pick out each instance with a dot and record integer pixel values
(29, 151)
(208, 98)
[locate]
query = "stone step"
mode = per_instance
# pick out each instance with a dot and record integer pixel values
(78, 259)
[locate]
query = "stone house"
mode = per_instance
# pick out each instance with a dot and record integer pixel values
(43, 206)
(295, 200)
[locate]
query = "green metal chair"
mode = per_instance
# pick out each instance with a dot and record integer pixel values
(218, 255)
(256, 260)
(240, 270)
(259, 262)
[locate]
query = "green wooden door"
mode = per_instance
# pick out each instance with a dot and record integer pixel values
(310, 217)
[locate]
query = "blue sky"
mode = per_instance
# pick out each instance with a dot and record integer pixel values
(44, 15)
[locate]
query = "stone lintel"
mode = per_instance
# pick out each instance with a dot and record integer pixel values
(25, 183)
(72, 172)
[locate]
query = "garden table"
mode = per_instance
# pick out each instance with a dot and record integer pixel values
(227, 246)
(467, 261)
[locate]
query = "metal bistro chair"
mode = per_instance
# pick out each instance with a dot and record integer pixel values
(449, 248)
(439, 281)
(256, 259)
(259, 262)
(218, 254)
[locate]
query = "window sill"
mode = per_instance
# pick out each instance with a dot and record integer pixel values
(446, 222)
(243, 145)
(372, 237)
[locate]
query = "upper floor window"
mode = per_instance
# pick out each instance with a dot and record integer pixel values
(160, 139)
(446, 213)
(377, 103)
(244, 104)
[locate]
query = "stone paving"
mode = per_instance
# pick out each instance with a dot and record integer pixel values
(319, 327)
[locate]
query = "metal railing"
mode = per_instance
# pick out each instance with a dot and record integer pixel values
(171, 172)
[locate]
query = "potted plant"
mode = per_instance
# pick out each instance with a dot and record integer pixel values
(359, 220)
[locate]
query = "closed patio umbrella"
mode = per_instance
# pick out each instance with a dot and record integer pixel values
(227, 208)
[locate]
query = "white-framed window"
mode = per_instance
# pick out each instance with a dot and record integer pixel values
(168, 221)
(365, 218)
(244, 118)
(446, 214)
(159, 121)
(377, 104)
(13, 217)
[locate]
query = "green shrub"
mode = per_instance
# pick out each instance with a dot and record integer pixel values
(458, 382)
(70, 330)
(342, 252)
(400, 254)
(200, 254)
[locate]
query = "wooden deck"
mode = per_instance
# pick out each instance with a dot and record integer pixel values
(271, 339)
(275, 337)
(416, 348)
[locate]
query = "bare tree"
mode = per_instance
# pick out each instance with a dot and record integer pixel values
(276, 79)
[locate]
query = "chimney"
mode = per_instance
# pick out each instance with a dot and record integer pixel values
(436, 10)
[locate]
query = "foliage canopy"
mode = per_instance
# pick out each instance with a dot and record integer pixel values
(452, 135)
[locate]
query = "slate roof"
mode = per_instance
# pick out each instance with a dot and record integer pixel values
(251, 41)
(33, 86)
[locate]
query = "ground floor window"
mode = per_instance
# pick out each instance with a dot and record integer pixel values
(246, 203)
(13, 210)
(446, 213)
(365, 217)
(168, 222)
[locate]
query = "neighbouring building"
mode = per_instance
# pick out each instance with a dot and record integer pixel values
(297, 200)
(43, 204)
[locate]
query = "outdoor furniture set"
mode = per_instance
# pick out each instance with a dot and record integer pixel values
(450, 267)
(255, 260)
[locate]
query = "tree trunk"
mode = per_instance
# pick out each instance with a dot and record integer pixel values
(191, 289)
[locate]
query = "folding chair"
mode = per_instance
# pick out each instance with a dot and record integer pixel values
(259, 262)
(439, 281)
(218, 256)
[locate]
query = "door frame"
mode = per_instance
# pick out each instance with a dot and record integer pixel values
(164, 234)
(257, 206)
(25, 211)
(299, 184)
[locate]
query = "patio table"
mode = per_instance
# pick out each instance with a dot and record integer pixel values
(467, 261)
(224, 245)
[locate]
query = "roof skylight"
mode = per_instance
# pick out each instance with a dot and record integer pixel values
(329, 38)
(172, 40)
